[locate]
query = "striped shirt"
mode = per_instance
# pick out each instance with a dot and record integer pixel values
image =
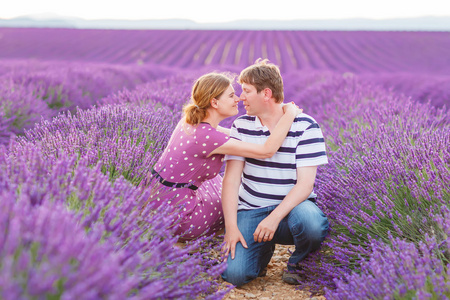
(266, 182)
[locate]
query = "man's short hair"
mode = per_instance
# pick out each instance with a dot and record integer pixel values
(263, 74)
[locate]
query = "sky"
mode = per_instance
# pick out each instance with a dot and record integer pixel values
(207, 11)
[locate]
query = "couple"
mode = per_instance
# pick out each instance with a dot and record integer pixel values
(266, 196)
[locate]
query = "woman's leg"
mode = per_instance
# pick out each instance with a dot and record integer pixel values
(206, 217)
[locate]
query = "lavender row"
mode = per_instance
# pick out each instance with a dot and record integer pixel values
(123, 140)
(420, 87)
(388, 168)
(400, 270)
(64, 86)
(172, 92)
(70, 233)
(388, 171)
(30, 90)
(342, 51)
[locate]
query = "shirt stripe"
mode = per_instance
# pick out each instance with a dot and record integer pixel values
(310, 155)
(262, 195)
(269, 180)
(270, 164)
(266, 182)
(310, 141)
(252, 132)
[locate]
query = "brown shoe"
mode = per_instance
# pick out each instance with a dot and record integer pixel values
(263, 272)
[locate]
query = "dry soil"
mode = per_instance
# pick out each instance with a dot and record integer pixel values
(271, 286)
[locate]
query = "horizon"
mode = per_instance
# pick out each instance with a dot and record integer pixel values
(52, 15)
(51, 20)
(201, 11)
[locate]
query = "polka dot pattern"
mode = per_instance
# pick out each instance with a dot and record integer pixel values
(187, 156)
(207, 215)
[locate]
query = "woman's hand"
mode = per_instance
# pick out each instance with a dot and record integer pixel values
(292, 108)
(232, 237)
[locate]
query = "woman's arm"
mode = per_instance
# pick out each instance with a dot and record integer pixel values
(268, 149)
(227, 131)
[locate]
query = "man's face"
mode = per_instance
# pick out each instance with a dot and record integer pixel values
(252, 100)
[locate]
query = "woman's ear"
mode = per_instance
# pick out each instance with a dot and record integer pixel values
(214, 103)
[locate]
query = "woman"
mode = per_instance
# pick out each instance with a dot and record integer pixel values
(188, 169)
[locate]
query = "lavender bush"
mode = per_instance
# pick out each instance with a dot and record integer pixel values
(125, 140)
(20, 109)
(173, 91)
(422, 88)
(45, 252)
(388, 171)
(70, 85)
(122, 141)
(385, 189)
(400, 270)
(371, 186)
(113, 221)
(31, 91)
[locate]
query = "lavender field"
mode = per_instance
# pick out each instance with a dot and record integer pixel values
(84, 114)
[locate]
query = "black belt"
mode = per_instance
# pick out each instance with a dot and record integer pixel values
(173, 184)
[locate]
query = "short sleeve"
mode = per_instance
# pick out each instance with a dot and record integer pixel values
(311, 150)
(209, 138)
(234, 135)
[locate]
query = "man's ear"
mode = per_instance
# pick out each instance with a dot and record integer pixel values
(267, 94)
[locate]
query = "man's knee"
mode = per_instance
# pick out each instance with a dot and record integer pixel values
(308, 220)
(238, 273)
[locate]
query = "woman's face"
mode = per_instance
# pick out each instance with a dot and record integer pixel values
(227, 103)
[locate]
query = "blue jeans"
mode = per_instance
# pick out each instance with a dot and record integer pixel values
(305, 227)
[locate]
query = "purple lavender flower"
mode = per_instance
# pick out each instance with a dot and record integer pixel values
(45, 251)
(19, 109)
(388, 160)
(126, 140)
(385, 189)
(117, 219)
(31, 91)
(400, 270)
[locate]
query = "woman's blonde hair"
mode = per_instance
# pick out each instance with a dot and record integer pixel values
(207, 87)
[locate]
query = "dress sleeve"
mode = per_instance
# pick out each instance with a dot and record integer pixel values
(311, 149)
(210, 139)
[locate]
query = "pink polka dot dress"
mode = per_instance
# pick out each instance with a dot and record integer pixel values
(189, 178)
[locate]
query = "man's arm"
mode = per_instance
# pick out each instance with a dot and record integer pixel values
(299, 193)
(230, 191)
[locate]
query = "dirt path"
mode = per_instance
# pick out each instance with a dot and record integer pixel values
(271, 286)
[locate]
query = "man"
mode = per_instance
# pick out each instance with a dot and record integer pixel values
(271, 201)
